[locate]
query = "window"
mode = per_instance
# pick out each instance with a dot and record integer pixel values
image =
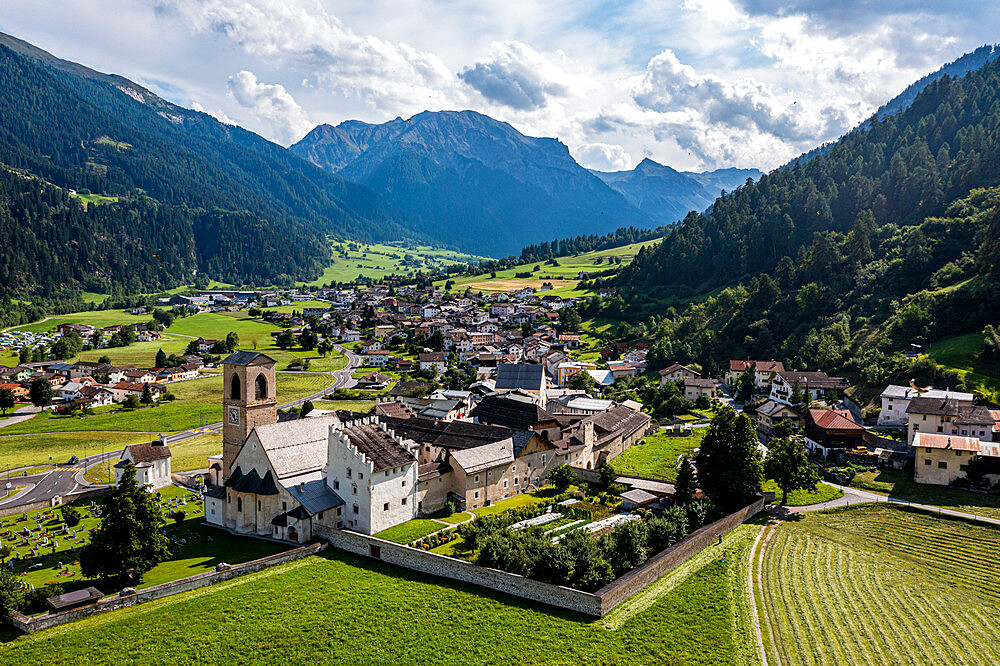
(229, 498)
(321, 515)
(360, 475)
(958, 453)
(515, 480)
(940, 429)
(928, 449)
(475, 479)
(234, 388)
(258, 505)
(385, 507)
(927, 461)
(543, 458)
(942, 465)
(348, 472)
(355, 507)
(505, 484)
(404, 483)
(261, 386)
(476, 494)
(338, 510)
(404, 501)
(239, 504)
(284, 506)
(336, 484)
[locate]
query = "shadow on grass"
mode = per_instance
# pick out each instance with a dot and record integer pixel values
(402, 573)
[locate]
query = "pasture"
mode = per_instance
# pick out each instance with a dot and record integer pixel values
(657, 458)
(878, 584)
(352, 260)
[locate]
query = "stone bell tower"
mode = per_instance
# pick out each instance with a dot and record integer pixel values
(248, 400)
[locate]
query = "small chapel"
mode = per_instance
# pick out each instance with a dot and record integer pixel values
(284, 479)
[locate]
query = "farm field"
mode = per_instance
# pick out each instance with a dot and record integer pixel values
(657, 458)
(377, 260)
(326, 609)
(959, 353)
(836, 582)
(564, 277)
(899, 484)
(198, 402)
(193, 453)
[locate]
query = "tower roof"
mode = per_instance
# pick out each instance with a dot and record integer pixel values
(247, 358)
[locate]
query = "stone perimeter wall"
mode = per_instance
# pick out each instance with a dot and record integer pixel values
(35, 623)
(594, 604)
(47, 504)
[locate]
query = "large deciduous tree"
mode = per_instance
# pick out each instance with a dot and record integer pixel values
(128, 542)
(789, 466)
(40, 393)
(729, 465)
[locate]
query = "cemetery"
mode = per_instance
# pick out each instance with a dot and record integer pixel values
(42, 546)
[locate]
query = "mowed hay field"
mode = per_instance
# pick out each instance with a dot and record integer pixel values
(878, 584)
(342, 609)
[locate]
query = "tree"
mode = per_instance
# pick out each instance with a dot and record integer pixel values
(131, 402)
(796, 398)
(40, 392)
(6, 400)
(562, 476)
(789, 466)
(729, 465)
(606, 475)
(745, 383)
(24, 356)
(161, 359)
(685, 486)
(582, 381)
(232, 341)
(991, 344)
(128, 542)
(11, 595)
(285, 339)
(627, 546)
(147, 395)
(307, 407)
(307, 339)
(104, 359)
(71, 515)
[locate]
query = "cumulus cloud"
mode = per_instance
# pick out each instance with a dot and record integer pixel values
(303, 35)
(272, 103)
(516, 76)
(602, 156)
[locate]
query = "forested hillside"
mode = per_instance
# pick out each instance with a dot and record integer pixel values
(242, 197)
(885, 240)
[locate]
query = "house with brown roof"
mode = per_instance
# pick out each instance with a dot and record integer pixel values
(763, 372)
(950, 416)
(941, 459)
(812, 385)
(829, 430)
(695, 388)
(675, 372)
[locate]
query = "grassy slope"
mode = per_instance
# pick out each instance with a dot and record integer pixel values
(899, 484)
(410, 531)
(824, 493)
(837, 583)
(565, 274)
(377, 260)
(328, 609)
(657, 458)
(959, 353)
(22, 450)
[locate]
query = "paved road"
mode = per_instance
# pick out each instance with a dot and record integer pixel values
(20, 414)
(66, 478)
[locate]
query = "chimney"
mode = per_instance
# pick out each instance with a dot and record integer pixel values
(302, 487)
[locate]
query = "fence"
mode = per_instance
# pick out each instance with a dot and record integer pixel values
(29, 624)
(593, 604)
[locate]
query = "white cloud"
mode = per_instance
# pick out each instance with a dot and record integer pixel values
(516, 76)
(602, 156)
(271, 102)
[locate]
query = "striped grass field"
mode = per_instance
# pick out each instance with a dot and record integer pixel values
(878, 584)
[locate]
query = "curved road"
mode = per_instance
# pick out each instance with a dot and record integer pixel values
(67, 478)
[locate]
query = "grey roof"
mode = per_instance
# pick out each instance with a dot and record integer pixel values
(520, 375)
(446, 434)
(638, 496)
(484, 457)
(317, 495)
(647, 485)
(246, 358)
(378, 446)
(296, 447)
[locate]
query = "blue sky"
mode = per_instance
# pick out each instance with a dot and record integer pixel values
(694, 84)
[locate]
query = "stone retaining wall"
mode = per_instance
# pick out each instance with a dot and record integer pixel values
(633, 581)
(47, 504)
(448, 567)
(29, 624)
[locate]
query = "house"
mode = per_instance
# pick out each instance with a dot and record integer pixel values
(772, 413)
(20, 392)
(829, 430)
(151, 461)
(350, 335)
(896, 399)
(377, 358)
(436, 360)
(524, 376)
(812, 386)
(570, 341)
(372, 345)
(97, 396)
(205, 346)
(579, 404)
(677, 373)
(763, 372)
(567, 369)
(941, 459)
(374, 381)
(949, 416)
(85, 330)
(695, 388)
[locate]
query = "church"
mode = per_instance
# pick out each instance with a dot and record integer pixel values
(285, 479)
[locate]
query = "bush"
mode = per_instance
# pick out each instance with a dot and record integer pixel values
(562, 476)
(178, 516)
(71, 515)
(450, 508)
(168, 397)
